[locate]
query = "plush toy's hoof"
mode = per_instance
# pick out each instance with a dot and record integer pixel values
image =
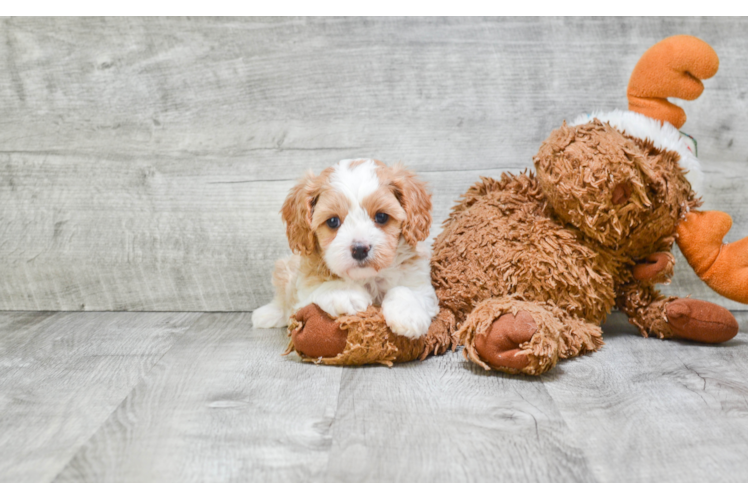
(655, 265)
(499, 348)
(701, 321)
(319, 335)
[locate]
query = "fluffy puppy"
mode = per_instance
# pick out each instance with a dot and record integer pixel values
(356, 231)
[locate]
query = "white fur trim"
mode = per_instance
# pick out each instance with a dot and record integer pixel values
(662, 135)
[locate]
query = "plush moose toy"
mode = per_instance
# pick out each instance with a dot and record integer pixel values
(528, 266)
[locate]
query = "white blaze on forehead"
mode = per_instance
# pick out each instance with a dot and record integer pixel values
(355, 183)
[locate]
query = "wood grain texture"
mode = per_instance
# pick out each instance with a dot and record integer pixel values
(144, 161)
(174, 397)
(63, 374)
(448, 420)
(651, 410)
(222, 405)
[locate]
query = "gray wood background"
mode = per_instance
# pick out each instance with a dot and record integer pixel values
(143, 161)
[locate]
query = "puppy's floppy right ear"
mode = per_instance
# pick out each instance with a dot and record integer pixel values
(297, 214)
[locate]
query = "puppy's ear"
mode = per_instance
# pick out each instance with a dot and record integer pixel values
(415, 199)
(297, 214)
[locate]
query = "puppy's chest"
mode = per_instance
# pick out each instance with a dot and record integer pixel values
(378, 288)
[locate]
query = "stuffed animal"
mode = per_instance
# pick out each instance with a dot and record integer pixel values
(528, 266)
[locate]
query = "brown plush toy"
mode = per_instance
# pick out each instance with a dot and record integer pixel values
(528, 266)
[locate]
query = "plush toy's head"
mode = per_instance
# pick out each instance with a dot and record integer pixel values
(622, 178)
(628, 179)
(618, 190)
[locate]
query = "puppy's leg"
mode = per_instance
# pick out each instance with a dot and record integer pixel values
(337, 298)
(270, 315)
(409, 311)
(276, 313)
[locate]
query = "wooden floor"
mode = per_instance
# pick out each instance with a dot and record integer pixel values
(123, 396)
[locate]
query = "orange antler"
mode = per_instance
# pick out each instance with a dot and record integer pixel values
(724, 267)
(673, 67)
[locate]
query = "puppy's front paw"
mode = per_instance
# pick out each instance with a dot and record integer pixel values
(406, 318)
(408, 312)
(343, 302)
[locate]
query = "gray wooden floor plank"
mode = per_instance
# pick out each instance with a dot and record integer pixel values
(19, 323)
(170, 397)
(652, 410)
(222, 405)
(742, 317)
(144, 160)
(62, 375)
(448, 420)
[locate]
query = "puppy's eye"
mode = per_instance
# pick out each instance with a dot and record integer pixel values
(333, 222)
(381, 218)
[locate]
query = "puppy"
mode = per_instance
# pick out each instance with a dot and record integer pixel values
(355, 231)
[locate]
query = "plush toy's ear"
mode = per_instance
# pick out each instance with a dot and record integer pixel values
(673, 67)
(297, 214)
(415, 199)
(724, 267)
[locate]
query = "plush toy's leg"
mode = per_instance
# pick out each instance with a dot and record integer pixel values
(514, 336)
(439, 338)
(672, 317)
(363, 338)
(315, 334)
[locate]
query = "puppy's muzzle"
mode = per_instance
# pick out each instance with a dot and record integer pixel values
(360, 251)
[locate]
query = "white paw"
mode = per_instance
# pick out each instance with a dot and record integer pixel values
(269, 316)
(343, 302)
(406, 319)
(409, 311)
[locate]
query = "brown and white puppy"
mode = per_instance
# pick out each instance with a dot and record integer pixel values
(355, 231)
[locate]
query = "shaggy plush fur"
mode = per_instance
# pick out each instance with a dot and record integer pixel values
(561, 335)
(369, 340)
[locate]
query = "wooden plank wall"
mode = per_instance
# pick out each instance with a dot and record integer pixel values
(143, 161)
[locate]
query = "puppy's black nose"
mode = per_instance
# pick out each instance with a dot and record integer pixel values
(359, 251)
